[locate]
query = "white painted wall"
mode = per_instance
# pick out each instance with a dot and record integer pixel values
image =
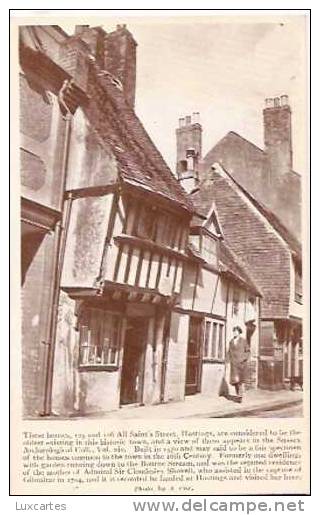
(177, 358)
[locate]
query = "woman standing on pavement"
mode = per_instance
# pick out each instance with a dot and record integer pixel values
(238, 356)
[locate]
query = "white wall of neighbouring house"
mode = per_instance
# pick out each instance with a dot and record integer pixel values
(203, 290)
(177, 358)
(212, 374)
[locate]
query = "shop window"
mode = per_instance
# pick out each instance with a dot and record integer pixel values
(214, 348)
(99, 339)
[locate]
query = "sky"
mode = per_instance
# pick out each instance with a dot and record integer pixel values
(221, 67)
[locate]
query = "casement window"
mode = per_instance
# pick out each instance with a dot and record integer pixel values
(99, 339)
(214, 347)
(145, 223)
(297, 284)
(167, 231)
(235, 302)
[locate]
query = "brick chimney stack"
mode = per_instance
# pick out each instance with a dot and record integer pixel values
(189, 142)
(277, 134)
(120, 60)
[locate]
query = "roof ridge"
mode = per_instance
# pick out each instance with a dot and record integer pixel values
(153, 155)
(267, 213)
(225, 137)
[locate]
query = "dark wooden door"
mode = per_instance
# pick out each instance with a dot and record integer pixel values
(133, 362)
(194, 356)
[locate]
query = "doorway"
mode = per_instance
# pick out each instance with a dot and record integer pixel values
(194, 356)
(132, 374)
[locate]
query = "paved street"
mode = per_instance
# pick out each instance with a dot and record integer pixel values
(288, 411)
(256, 403)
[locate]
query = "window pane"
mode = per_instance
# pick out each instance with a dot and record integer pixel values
(99, 339)
(214, 341)
(145, 225)
(206, 339)
(84, 345)
(221, 346)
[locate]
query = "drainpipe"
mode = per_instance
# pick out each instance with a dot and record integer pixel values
(227, 322)
(259, 341)
(60, 239)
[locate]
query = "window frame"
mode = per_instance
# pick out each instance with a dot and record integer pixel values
(86, 321)
(214, 348)
(298, 289)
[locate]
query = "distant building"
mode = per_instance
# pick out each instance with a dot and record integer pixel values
(265, 173)
(217, 295)
(257, 200)
(273, 257)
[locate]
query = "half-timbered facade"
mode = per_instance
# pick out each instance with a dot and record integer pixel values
(217, 294)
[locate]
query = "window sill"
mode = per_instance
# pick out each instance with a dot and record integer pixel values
(150, 245)
(98, 368)
(213, 360)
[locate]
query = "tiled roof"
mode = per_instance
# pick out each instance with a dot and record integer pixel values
(257, 238)
(250, 166)
(230, 263)
(139, 160)
(286, 235)
(234, 136)
(203, 198)
(119, 128)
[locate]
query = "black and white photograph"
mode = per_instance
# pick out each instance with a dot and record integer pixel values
(161, 257)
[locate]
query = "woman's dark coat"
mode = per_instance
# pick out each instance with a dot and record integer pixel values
(238, 356)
